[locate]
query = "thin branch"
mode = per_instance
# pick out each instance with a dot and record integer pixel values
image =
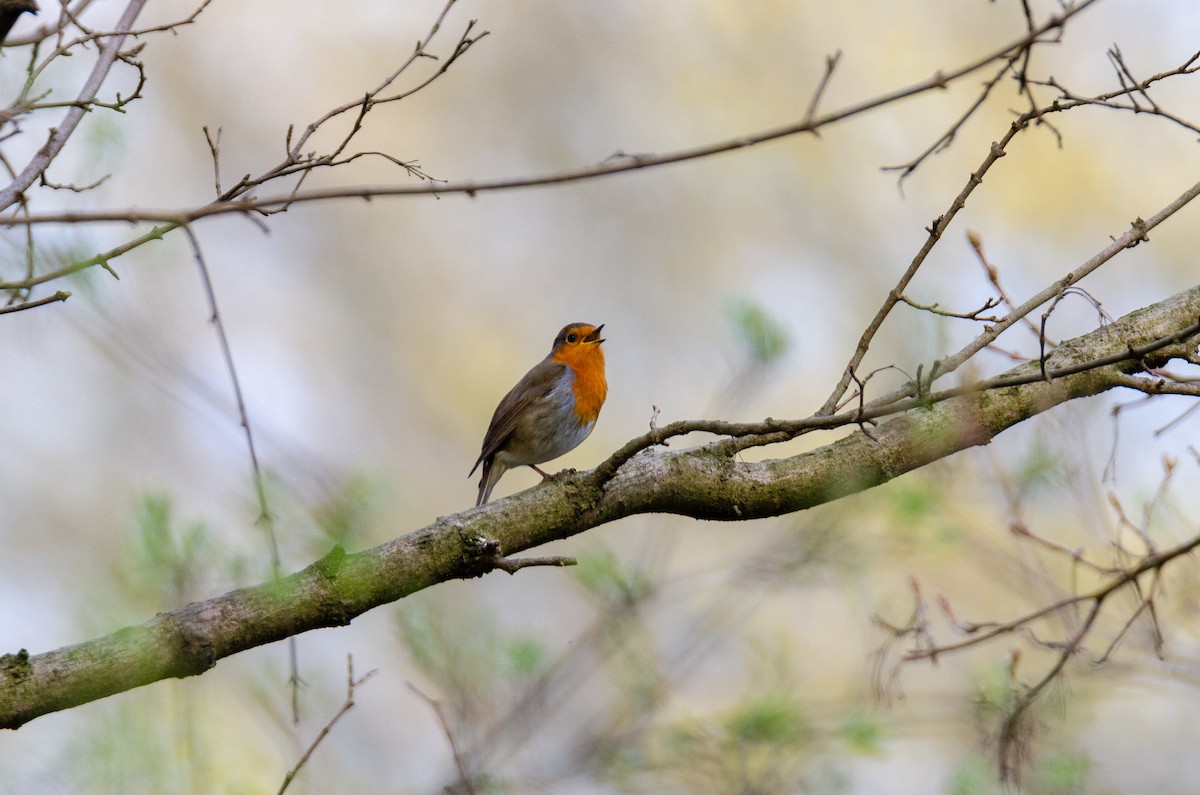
(73, 188)
(214, 149)
(465, 42)
(295, 149)
(1145, 605)
(489, 555)
(1183, 415)
(1137, 233)
(102, 260)
(1130, 88)
(608, 167)
(935, 230)
(949, 364)
(947, 138)
(265, 518)
(109, 50)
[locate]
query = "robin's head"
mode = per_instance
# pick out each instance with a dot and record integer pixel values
(575, 338)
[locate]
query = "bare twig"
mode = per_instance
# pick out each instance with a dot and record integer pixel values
(513, 565)
(102, 260)
(993, 275)
(61, 295)
(974, 314)
(934, 230)
(71, 186)
(264, 516)
(1074, 555)
(831, 62)
(1136, 234)
(947, 138)
(48, 29)
(949, 364)
(109, 50)
(491, 556)
(1130, 88)
(1183, 415)
(1124, 577)
(352, 684)
(1145, 605)
(1043, 341)
(214, 148)
(464, 778)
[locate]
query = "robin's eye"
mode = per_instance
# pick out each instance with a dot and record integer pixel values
(572, 338)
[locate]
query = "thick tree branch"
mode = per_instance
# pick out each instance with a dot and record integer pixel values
(707, 482)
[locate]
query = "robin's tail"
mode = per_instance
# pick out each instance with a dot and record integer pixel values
(492, 470)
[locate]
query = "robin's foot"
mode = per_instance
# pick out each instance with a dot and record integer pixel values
(546, 476)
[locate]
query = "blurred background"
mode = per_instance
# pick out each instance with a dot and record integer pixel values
(374, 339)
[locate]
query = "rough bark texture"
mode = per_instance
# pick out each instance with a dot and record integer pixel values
(703, 482)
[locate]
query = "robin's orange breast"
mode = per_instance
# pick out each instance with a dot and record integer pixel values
(589, 387)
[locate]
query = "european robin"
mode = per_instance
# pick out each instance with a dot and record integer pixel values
(550, 411)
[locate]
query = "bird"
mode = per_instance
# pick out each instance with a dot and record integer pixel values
(550, 411)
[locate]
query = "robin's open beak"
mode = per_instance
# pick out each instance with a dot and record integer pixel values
(595, 335)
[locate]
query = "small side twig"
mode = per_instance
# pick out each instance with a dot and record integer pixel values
(214, 148)
(974, 314)
(70, 186)
(831, 62)
(993, 275)
(492, 557)
(947, 138)
(352, 684)
(61, 295)
(1043, 341)
(513, 565)
(861, 384)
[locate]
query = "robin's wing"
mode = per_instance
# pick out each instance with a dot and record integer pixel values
(535, 385)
